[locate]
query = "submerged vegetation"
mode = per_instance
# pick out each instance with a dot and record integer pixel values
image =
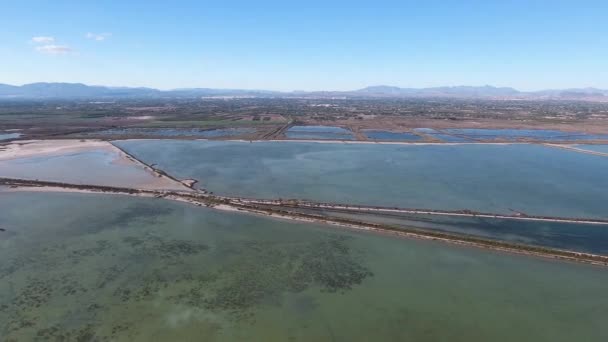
(134, 266)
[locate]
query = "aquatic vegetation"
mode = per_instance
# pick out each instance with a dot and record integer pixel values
(146, 212)
(266, 271)
(201, 273)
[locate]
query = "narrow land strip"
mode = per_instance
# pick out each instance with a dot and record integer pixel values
(576, 149)
(207, 200)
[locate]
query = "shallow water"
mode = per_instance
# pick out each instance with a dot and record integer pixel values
(391, 136)
(532, 179)
(319, 132)
(95, 267)
(93, 167)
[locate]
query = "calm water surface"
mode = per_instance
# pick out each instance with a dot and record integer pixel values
(492, 178)
(391, 136)
(95, 267)
(586, 238)
(319, 132)
(517, 134)
(95, 167)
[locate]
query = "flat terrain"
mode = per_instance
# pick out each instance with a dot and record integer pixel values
(270, 118)
(303, 219)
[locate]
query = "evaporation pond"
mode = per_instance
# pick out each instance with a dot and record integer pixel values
(517, 134)
(391, 136)
(319, 132)
(100, 165)
(531, 179)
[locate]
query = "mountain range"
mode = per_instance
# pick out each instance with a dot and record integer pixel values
(44, 90)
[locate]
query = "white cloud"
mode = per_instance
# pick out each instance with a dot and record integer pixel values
(98, 36)
(43, 39)
(52, 49)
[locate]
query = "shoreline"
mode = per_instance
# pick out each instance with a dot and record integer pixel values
(222, 204)
(187, 194)
(420, 211)
(321, 141)
(101, 142)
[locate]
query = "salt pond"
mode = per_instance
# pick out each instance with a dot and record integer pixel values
(97, 163)
(532, 179)
(106, 267)
(391, 136)
(523, 134)
(319, 132)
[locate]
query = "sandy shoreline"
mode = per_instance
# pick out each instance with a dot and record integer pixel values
(34, 148)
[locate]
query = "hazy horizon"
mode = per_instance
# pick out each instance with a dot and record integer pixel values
(280, 46)
(302, 90)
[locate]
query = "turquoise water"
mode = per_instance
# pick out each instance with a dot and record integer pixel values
(101, 267)
(319, 132)
(532, 179)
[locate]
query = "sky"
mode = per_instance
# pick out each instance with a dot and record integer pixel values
(306, 45)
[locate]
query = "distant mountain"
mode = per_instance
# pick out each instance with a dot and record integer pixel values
(81, 91)
(385, 90)
(71, 90)
(458, 91)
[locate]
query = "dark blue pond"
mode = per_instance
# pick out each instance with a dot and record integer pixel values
(520, 134)
(391, 136)
(586, 238)
(319, 132)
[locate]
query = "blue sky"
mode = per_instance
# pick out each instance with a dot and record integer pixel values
(306, 45)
